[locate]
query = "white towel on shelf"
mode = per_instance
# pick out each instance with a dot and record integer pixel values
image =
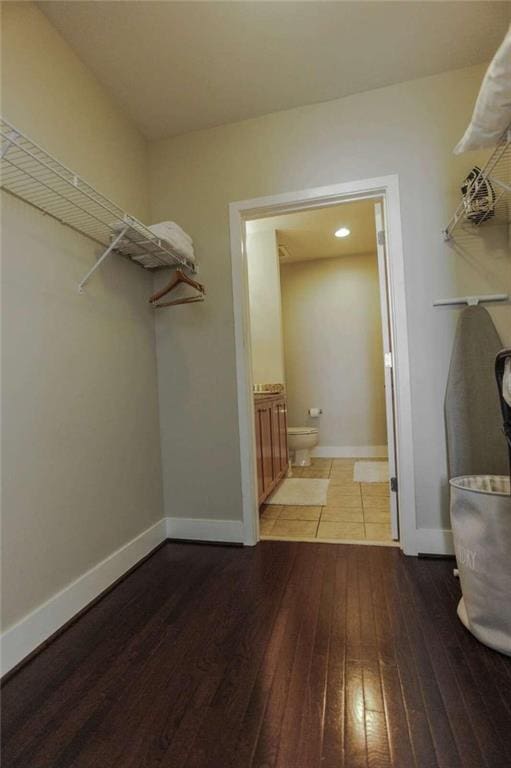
(179, 241)
(172, 228)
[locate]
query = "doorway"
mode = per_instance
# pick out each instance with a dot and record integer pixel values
(384, 193)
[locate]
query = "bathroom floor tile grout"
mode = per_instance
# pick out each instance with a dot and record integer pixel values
(331, 473)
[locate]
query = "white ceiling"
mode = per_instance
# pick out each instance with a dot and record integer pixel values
(309, 235)
(180, 66)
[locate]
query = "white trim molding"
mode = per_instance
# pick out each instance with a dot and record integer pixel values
(434, 541)
(228, 531)
(350, 451)
(386, 188)
(24, 637)
(19, 640)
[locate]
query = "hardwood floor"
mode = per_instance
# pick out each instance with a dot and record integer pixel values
(289, 654)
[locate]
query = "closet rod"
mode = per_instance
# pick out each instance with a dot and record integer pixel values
(472, 301)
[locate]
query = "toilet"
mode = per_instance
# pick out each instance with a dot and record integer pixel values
(300, 441)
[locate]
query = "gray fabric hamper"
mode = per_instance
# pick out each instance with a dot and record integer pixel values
(481, 526)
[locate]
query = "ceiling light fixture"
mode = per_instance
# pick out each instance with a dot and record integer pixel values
(343, 232)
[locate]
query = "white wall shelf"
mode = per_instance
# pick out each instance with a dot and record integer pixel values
(31, 174)
(487, 200)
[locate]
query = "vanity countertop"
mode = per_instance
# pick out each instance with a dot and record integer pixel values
(268, 389)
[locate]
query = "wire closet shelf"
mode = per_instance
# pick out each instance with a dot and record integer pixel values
(31, 174)
(487, 198)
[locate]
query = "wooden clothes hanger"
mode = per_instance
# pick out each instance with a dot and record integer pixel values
(187, 300)
(178, 279)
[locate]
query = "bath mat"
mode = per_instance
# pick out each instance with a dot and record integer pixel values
(300, 491)
(371, 472)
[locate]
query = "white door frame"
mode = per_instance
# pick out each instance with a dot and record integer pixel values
(388, 372)
(387, 188)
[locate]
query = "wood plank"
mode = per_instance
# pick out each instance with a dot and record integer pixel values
(285, 654)
(396, 652)
(333, 731)
(491, 725)
(270, 740)
(313, 713)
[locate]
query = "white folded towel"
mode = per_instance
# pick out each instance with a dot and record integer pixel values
(179, 242)
(172, 228)
(177, 238)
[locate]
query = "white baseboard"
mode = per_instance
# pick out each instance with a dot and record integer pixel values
(434, 541)
(205, 530)
(350, 451)
(19, 640)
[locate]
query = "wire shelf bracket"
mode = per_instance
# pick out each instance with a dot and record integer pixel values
(101, 259)
(31, 174)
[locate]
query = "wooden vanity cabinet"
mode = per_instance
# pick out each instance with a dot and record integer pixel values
(271, 442)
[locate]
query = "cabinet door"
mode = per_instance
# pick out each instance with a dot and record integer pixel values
(275, 439)
(259, 455)
(284, 460)
(265, 415)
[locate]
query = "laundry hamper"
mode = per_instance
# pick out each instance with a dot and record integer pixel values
(481, 526)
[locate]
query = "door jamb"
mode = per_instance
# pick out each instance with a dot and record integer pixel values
(386, 187)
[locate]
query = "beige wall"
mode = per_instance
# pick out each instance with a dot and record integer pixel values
(265, 306)
(333, 349)
(80, 454)
(48, 93)
(407, 129)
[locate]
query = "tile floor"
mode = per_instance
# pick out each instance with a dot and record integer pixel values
(353, 512)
